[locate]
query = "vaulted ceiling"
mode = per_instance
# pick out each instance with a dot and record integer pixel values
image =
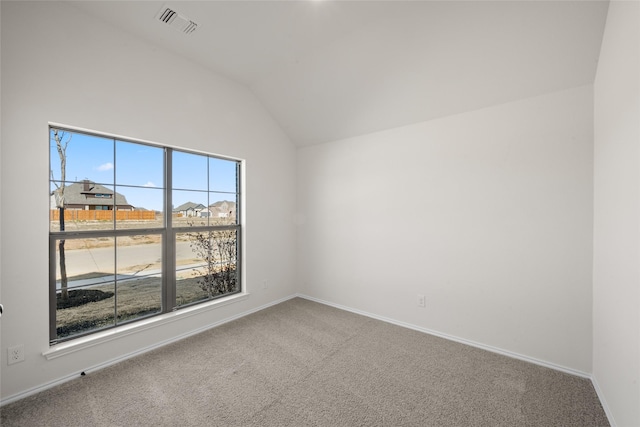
(328, 70)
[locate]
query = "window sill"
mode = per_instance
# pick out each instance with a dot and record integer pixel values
(83, 343)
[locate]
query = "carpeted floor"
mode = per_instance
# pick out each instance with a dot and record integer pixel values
(301, 363)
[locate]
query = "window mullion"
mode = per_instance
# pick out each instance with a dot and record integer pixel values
(168, 242)
(53, 300)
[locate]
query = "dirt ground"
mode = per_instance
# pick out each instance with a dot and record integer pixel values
(104, 242)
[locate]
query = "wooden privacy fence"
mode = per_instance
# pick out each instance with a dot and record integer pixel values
(82, 215)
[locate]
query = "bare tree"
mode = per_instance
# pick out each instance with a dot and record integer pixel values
(218, 249)
(62, 141)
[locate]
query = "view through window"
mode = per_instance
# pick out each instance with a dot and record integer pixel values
(136, 230)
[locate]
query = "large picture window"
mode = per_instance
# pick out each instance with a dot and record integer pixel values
(136, 230)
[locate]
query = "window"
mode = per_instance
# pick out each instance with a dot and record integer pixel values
(136, 230)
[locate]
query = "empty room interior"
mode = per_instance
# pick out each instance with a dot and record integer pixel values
(464, 170)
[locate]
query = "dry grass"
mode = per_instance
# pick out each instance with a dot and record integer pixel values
(133, 299)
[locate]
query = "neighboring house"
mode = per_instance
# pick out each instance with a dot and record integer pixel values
(191, 209)
(87, 195)
(223, 209)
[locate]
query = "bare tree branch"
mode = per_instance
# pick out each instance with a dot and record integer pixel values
(218, 249)
(61, 146)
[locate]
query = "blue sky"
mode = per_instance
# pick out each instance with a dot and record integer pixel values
(137, 171)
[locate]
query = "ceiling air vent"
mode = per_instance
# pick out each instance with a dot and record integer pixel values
(177, 21)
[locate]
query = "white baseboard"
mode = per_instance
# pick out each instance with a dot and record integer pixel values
(591, 377)
(603, 401)
(455, 339)
(118, 359)
(492, 349)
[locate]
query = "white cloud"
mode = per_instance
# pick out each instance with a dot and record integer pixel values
(149, 184)
(105, 167)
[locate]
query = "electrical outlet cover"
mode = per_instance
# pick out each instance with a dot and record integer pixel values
(15, 354)
(421, 302)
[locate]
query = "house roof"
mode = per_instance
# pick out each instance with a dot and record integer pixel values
(189, 206)
(218, 205)
(78, 192)
(221, 203)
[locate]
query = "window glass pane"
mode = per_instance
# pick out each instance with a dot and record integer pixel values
(143, 208)
(139, 165)
(223, 208)
(54, 203)
(139, 278)
(86, 157)
(87, 206)
(190, 208)
(89, 256)
(222, 175)
(206, 265)
(189, 171)
(188, 265)
(85, 273)
(95, 312)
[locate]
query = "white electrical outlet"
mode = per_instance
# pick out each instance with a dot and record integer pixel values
(421, 301)
(15, 354)
(265, 284)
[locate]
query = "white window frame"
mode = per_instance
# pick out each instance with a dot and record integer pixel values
(168, 233)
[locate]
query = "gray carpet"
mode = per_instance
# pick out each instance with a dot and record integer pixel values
(301, 363)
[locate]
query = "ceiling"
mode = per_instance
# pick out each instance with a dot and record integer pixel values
(328, 70)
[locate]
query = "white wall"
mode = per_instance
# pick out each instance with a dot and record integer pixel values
(616, 292)
(61, 66)
(487, 213)
(0, 177)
